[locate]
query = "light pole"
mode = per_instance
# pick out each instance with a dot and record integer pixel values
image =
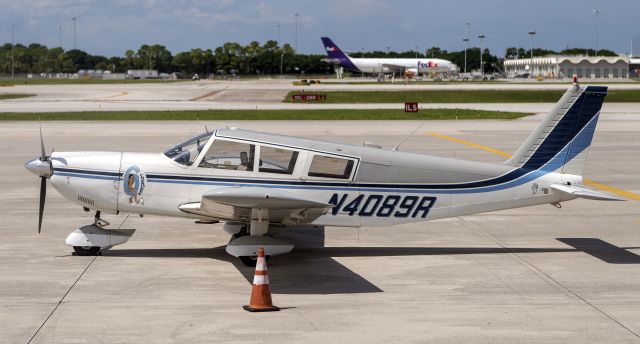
(60, 33)
(416, 51)
(388, 49)
(597, 12)
(278, 34)
(281, 61)
(296, 16)
(75, 42)
(466, 40)
(531, 34)
(13, 29)
(482, 37)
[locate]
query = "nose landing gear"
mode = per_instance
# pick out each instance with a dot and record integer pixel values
(247, 240)
(91, 240)
(87, 250)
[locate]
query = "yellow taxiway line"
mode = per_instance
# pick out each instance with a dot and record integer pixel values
(471, 144)
(587, 181)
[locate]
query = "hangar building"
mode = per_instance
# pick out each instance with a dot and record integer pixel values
(556, 67)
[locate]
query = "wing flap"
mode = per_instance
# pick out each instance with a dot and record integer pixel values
(585, 193)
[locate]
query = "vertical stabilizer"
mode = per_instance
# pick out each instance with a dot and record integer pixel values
(560, 143)
(337, 57)
(333, 52)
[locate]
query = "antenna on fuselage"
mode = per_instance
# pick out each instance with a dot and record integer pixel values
(406, 138)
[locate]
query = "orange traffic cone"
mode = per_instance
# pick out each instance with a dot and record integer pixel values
(261, 292)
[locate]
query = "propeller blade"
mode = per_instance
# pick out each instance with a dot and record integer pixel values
(43, 156)
(43, 195)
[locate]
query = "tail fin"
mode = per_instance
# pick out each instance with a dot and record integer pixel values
(560, 143)
(332, 50)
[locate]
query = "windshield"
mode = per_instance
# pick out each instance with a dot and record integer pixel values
(186, 152)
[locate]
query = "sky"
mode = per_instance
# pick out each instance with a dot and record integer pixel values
(112, 27)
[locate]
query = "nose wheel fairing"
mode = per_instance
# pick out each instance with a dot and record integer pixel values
(96, 236)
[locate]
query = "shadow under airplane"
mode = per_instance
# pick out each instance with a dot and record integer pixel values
(311, 269)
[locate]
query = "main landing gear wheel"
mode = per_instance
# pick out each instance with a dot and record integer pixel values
(89, 250)
(251, 261)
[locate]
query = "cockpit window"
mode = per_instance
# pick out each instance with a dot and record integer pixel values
(229, 155)
(186, 152)
(277, 160)
(330, 167)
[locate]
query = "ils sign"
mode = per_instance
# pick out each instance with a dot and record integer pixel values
(410, 107)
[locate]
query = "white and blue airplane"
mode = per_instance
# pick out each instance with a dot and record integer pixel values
(257, 183)
(402, 66)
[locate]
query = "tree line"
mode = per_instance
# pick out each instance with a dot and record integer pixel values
(232, 57)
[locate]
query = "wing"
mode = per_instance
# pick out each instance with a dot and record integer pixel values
(237, 203)
(393, 67)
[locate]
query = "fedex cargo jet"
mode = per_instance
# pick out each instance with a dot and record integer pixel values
(406, 66)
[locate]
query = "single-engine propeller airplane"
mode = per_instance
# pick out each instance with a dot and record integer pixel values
(257, 182)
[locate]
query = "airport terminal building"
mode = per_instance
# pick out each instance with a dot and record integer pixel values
(557, 67)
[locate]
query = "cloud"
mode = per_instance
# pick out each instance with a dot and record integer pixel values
(111, 27)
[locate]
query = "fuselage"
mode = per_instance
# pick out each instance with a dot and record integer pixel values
(385, 65)
(366, 186)
(389, 65)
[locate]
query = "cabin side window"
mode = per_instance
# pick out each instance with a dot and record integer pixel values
(229, 155)
(330, 167)
(277, 160)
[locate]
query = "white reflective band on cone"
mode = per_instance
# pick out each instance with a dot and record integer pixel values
(260, 279)
(260, 264)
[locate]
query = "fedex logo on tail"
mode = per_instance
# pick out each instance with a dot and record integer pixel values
(337, 56)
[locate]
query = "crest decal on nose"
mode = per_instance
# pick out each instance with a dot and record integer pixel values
(134, 184)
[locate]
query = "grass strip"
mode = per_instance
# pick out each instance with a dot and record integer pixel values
(15, 96)
(457, 96)
(24, 81)
(214, 115)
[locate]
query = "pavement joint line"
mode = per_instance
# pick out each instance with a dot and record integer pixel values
(558, 283)
(587, 181)
(205, 95)
(121, 93)
(209, 94)
(303, 316)
(61, 300)
(69, 290)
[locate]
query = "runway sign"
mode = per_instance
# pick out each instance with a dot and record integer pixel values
(410, 107)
